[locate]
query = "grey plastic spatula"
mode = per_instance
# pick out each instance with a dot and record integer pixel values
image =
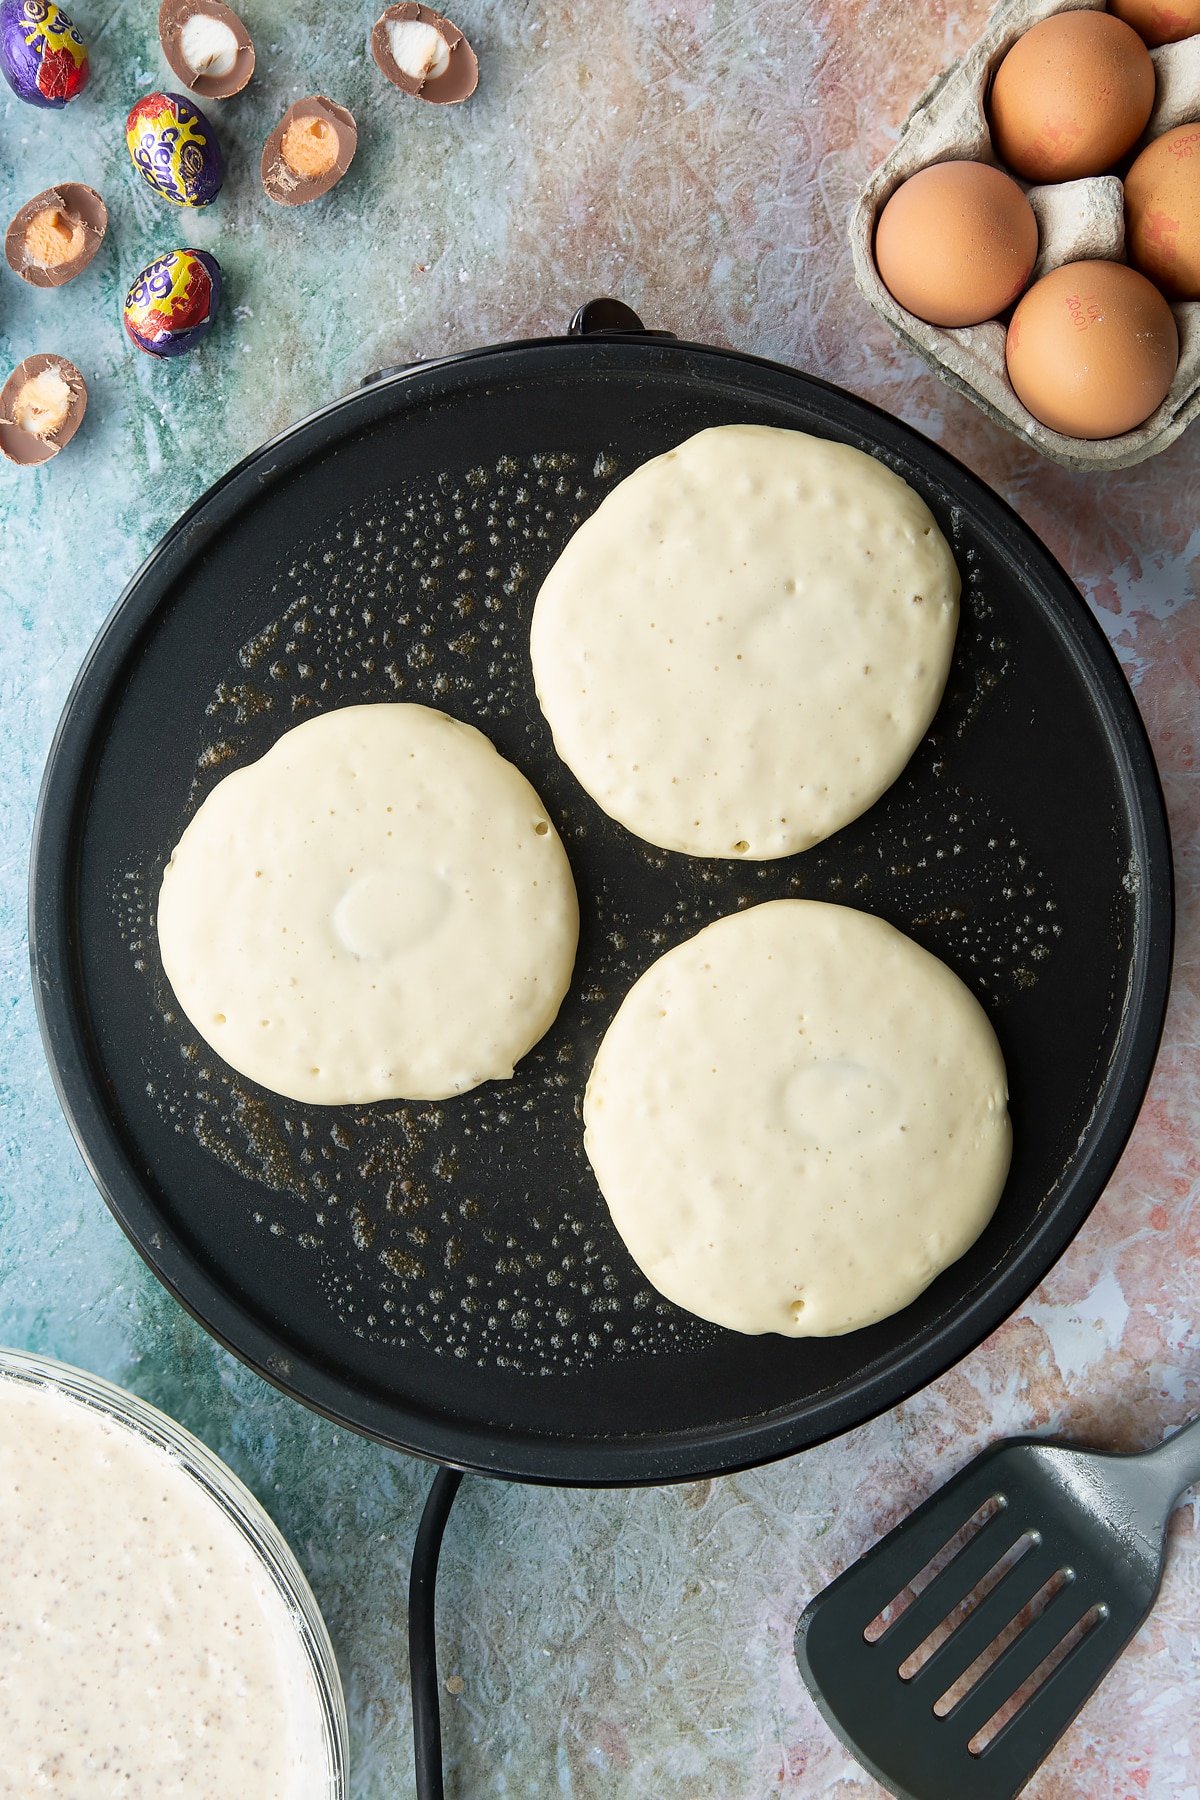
(951, 1657)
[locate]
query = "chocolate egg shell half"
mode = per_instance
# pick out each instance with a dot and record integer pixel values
(309, 151)
(44, 59)
(175, 149)
(172, 303)
(41, 408)
(56, 234)
(207, 46)
(424, 55)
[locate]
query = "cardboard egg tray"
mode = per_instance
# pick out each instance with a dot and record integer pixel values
(1076, 220)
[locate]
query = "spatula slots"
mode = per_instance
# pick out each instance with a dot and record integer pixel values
(952, 1656)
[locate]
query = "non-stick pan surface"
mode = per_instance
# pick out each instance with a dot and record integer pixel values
(446, 1277)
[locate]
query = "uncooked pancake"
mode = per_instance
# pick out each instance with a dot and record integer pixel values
(742, 647)
(798, 1118)
(378, 909)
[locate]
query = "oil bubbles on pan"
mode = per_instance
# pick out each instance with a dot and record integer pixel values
(424, 593)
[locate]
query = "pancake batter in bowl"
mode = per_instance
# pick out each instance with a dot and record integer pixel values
(147, 1651)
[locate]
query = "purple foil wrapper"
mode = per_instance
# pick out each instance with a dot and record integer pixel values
(175, 149)
(44, 59)
(172, 303)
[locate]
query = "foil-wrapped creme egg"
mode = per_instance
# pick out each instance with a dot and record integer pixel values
(175, 149)
(171, 304)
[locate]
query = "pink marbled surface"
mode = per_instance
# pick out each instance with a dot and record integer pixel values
(707, 177)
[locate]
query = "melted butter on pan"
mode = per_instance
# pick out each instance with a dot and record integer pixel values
(537, 1288)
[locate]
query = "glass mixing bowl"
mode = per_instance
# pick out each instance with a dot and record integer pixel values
(223, 1489)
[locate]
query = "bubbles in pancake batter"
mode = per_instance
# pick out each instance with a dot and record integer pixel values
(517, 1264)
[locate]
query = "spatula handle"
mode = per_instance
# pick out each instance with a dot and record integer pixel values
(1178, 1459)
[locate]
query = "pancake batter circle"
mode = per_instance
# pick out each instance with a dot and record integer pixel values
(798, 1118)
(742, 647)
(379, 908)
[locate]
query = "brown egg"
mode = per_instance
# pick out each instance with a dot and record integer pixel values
(1092, 349)
(1159, 21)
(1071, 97)
(1162, 212)
(956, 243)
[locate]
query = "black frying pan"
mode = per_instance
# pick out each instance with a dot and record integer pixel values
(445, 1278)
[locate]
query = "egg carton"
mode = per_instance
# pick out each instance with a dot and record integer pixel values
(1076, 220)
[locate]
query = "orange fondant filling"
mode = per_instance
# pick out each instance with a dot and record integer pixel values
(53, 238)
(310, 147)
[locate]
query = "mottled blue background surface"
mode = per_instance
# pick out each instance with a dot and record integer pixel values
(699, 160)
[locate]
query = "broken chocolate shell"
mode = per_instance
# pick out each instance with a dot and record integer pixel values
(41, 408)
(56, 234)
(207, 46)
(309, 151)
(424, 55)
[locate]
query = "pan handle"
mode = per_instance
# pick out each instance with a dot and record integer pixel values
(392, 369)
(596, 318)
(610, 318)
